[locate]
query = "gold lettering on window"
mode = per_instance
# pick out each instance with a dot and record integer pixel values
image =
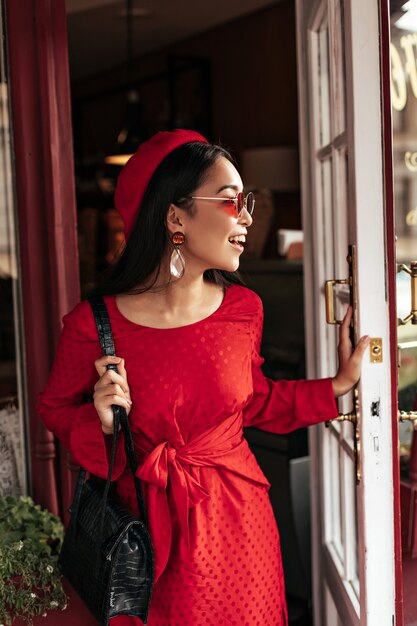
(411, 217)
(398, 83)
(410, 159)
(408, 43)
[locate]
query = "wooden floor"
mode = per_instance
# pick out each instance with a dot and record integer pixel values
(77, 615)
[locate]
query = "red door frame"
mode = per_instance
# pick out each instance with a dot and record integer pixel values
(46, 213)
(391, 257)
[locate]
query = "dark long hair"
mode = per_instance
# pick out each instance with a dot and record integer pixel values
(174, 181)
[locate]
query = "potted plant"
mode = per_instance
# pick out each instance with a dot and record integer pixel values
(30, 540)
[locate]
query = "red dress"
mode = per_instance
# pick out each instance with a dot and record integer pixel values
(193, 388)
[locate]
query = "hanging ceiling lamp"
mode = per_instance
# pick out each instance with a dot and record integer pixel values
(132, 133)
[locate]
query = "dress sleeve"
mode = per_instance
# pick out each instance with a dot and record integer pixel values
(66, 406)
(284, 405)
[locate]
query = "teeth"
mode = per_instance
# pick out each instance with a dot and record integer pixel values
(238, 238)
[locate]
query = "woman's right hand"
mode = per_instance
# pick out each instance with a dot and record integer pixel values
(111, 388)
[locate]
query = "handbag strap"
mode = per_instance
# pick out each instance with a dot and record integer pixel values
(102, 320)
(105, 334)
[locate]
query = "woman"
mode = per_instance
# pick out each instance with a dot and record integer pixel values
(187, 334)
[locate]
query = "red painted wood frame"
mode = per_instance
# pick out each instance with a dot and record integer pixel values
(44, 181)
(391, 256)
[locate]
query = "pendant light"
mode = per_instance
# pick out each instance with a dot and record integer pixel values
(132, 133)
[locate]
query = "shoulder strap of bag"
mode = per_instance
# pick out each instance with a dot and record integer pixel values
(102, 320)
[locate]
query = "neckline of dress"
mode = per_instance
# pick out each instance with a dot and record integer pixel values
(119, 314)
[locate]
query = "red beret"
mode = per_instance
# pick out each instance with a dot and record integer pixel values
(134, 178)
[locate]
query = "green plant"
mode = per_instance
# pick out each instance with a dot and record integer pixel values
(30, 540)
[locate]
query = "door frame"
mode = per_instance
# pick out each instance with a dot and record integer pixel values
(36, 30)
(391, 285)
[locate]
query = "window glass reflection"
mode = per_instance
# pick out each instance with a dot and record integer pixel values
(404, 110)
(12, 453)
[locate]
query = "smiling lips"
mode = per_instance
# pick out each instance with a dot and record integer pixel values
(238, 241)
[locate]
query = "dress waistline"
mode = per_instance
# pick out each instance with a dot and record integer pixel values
(221, 446)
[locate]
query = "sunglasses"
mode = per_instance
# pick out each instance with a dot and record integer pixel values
(240, 202)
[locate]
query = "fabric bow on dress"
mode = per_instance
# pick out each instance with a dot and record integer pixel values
(166, 467)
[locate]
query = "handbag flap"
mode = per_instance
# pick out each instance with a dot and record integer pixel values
(117, 518)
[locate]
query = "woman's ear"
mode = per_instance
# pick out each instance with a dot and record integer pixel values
(174, 218)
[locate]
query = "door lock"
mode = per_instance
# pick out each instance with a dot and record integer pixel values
(375, 349)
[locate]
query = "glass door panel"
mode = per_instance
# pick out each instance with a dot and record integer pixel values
(331, 151)
(404, 115)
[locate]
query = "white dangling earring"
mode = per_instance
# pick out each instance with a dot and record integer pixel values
(177, 264)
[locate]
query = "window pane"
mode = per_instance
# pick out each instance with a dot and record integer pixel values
(339, 72)
(334, 532)
(323, 86)
(12, 464)
(350, 520)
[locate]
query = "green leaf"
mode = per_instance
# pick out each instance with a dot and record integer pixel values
(30, 539)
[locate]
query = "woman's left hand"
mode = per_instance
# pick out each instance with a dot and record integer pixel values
(350, 361)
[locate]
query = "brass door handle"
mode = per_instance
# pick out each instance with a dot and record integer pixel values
(345, 417)
(351, 281)
(329, 291)
(407, 416)
(353, 419)
(412, 271)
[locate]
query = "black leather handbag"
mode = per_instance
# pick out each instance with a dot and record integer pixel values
(107, 553)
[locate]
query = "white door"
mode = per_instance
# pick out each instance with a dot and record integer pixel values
(342, 167)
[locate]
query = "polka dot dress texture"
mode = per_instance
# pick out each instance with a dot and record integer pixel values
(193, 388)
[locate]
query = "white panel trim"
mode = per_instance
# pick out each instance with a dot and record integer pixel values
(309, 293)
(376, 541)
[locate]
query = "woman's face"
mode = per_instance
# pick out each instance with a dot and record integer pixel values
(210, 230)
